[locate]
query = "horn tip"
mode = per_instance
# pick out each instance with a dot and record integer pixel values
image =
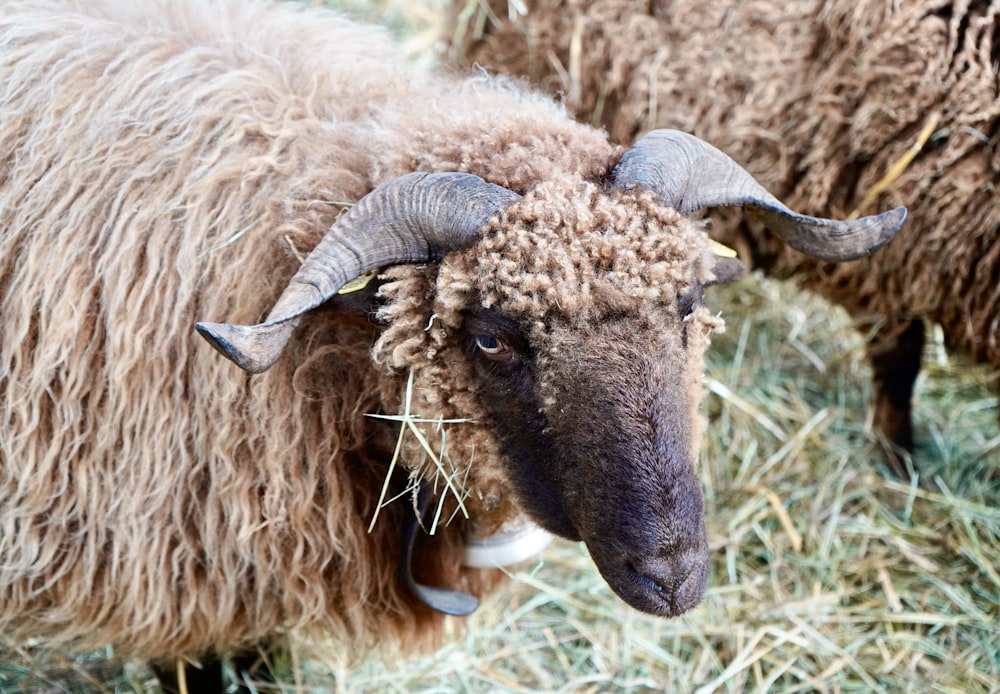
(896, 217)
(890, 221)
(249, 347)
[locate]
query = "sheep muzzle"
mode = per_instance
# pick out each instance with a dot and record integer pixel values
(601, 450)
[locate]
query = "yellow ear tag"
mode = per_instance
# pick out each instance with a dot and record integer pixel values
(358, 283)
(720, 250)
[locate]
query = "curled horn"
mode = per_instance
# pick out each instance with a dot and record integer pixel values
(690, 174)
(411, 219)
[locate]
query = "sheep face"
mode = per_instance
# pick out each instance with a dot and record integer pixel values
(574, 334)
(596, 426)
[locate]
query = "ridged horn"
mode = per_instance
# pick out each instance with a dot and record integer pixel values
(689, 175)
(411, 219)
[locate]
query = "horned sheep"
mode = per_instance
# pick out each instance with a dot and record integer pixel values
(835, 106)
(535, 314)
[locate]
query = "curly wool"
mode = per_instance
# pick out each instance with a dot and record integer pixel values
(818, 99)
(622, 243)
(149, 497)
(170, 166)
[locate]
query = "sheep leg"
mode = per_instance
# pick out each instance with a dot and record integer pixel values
(208, 678)
(895, 353)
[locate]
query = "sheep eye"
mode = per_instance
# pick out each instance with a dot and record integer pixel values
(493, 348)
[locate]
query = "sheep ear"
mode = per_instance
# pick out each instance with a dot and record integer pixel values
(412, 219)
(359, 297)
(727, 267)
(689, 175)
(726, 270)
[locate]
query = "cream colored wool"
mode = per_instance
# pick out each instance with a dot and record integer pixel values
(818, 99)
(167, 162)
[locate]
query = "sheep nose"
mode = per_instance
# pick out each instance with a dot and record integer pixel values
(678, 581)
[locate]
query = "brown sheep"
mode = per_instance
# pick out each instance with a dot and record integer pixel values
(824, 102)
(537, 313)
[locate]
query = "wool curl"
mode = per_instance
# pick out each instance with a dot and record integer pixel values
(623, 243)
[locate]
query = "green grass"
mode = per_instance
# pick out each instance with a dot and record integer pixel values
(828, 574)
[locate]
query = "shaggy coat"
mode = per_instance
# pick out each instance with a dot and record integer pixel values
(819, 99)
(168, 162)
(172, 163)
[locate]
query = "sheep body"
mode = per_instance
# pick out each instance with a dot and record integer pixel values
(819, 99)
(168, 162)
(152, 155)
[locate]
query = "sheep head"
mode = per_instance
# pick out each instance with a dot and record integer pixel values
(579, 325)
(568, 325)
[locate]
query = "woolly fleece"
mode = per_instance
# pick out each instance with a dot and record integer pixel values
(167, 162)
(818, 99)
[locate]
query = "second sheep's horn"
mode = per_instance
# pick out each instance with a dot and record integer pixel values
(689, 175)
(410, 219)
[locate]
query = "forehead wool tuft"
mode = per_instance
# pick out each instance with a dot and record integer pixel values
(573, 248)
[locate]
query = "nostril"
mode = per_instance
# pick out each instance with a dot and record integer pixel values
(659, 579)
(656, 586)
(663, 580)
(678, 581)
(656, 576)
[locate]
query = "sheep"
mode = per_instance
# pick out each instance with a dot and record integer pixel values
(526, 327)
(833, 105)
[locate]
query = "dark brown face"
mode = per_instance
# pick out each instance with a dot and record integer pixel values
(595, 421)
